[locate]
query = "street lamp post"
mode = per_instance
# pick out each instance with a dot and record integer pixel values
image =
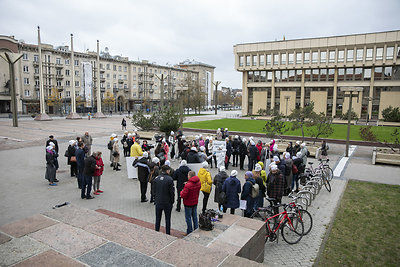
(350, 90)
(216, 95)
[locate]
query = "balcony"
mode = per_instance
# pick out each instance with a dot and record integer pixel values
(59, 76)
(120, 81)
(37, 86)
(36, 75)
(49, 64)
(5, 93)
(102, 79)
(102, 69)
(59, 65)
(35, 63)
(48, 75)
(60, 87)
(102, 89)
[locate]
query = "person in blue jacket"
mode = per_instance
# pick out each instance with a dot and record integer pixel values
(232, 188)
(246, 193)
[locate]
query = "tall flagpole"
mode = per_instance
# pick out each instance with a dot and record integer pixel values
(98, 114)
(73, 115)
(42, 116)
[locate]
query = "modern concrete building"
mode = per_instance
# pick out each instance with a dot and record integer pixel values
(133, 84)
(283, 75)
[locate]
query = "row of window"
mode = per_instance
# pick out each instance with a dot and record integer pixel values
(344, 74)
(331, 56)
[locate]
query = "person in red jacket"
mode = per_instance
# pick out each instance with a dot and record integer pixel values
(190, 196)
(97, 174)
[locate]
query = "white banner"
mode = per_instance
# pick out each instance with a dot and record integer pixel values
(132, 171)
(87, 83)
(217, 144)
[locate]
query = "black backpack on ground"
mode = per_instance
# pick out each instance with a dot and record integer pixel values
(205, 220)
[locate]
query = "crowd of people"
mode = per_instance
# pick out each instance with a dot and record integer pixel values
(270, 172)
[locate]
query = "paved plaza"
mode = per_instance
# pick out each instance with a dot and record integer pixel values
(24, 192)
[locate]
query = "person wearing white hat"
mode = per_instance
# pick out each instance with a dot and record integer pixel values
(219, 134)
(275, 186)
(210, 153)
(193, 156)
(235, 151)
(304, 153)
(259, 200)
(143, 169)
(181, 177)
(231, 188)
(228, 146)
(206, 183)
(50, 174)
(219, 180)
(288, 172)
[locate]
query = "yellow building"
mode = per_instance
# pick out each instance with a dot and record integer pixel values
(283, 75)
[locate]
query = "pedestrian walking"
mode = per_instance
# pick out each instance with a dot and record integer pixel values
(232, 188)
(164, 194)
(206, 182)
(88, 172)
(123, 124)
(190, 194)
(88, 140)
(98, 173)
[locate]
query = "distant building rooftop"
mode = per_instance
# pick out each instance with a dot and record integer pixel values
(188, 62)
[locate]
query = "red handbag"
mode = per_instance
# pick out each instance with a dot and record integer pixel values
(294, 169)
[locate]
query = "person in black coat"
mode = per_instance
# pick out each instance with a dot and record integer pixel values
(253, 153)
(181, 177)
(290, 149)
(219, 180)
(193, 156)
(164, 195)
(143, 169)
(300, 169)
(54, 141)
(235, 150)
(88, 172)
(50, 166)
(242, 153)
(246, 193)
(228, 152)
(80, 162)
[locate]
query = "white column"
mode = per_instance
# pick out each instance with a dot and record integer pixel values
(73, 103)
(41, 90)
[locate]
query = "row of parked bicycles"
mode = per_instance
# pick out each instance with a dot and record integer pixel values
(295, 221)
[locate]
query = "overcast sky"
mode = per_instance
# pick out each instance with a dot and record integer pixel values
(170, 31)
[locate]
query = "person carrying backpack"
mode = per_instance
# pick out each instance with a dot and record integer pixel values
(247, 195)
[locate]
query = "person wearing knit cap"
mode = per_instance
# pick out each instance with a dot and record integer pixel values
(253, 153)
(193, 156)
(235, 151)
(288, 173)
(206, 183)
(219, 180)
(228, 146)
(303, 153)
(181, 177)
(232, 188)
(246, 193)
(50, 174)
(259, 200)
(275, 185)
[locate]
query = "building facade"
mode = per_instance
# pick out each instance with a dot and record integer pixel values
(283, 75)
(133, 84)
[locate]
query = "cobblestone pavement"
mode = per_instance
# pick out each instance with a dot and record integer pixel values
(24, 192)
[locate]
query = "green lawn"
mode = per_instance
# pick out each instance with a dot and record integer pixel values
(366, 229)
(256, 126)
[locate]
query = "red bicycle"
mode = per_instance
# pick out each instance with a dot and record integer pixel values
(290, 224)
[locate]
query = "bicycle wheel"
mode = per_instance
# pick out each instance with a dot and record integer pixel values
(306, 218)
(327, 185)
(329, 173)
(293, 229)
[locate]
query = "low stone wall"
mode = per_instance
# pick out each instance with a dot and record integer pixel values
(385, 156)
(235, 235)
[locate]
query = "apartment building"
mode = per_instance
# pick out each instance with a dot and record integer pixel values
(134, 84)
(283, 75)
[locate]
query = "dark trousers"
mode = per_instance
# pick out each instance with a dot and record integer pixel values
(205, 200)
(74, 169)
(80, 177)
(227, 162)
(86, 186)
(224, 209)
(151, 193)
(167, 208)
(242, 158)
(252, 163)
(172, 153)
(143, 190)
(235, 160)
(178, 203)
